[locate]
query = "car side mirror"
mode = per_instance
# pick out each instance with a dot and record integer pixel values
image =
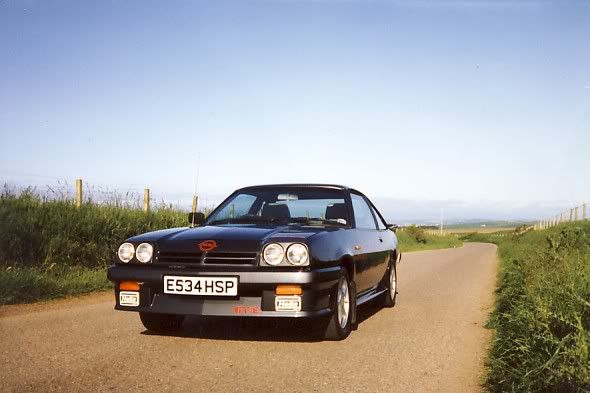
(393, 227)
(196, 219)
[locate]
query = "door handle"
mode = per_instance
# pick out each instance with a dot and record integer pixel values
(381, 240)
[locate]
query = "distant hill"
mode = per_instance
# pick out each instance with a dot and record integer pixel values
(485, 224)
(475, 223)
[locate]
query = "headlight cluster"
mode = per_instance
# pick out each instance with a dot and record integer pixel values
(143, 253)
(295, 254)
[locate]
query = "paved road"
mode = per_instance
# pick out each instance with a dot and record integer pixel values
(433, 340)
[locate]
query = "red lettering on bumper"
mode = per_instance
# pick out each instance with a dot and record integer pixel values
(246, 310)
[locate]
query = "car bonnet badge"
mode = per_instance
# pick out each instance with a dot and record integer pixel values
(207, 245)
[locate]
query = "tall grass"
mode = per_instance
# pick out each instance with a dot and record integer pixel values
(542, 314)
(34, 232)
(50, 248)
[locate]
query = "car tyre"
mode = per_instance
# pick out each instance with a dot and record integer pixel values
(390, 284)
(161, 323)
(340, 323)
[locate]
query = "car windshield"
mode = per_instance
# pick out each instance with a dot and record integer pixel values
(284, 206)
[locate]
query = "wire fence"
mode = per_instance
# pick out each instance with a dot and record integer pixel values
(578, 213)
(130, 197)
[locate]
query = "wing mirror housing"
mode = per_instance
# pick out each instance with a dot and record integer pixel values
(393, 227)
(196, 219)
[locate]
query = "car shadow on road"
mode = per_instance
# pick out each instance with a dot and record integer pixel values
(260, 329)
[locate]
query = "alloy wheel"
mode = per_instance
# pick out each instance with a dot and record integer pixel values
(343, 304)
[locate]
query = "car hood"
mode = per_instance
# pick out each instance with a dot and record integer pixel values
(228, 237)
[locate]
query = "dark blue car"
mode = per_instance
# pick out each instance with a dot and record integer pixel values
(283, 251)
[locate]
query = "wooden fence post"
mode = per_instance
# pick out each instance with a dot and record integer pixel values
(194, 209)
(195, 201)
(146, 200)
(78, 193)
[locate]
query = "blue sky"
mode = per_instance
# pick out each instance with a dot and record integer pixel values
(478, 107)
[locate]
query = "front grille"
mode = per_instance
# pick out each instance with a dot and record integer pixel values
(230, 258)
(179, 257)
(209, 258)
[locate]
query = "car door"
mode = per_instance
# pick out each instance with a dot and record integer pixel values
(386, 244)
(367, 245)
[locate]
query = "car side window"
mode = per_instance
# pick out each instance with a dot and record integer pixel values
(380, 225)
(363, 216)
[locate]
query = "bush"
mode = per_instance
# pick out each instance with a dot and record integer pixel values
(418, 234)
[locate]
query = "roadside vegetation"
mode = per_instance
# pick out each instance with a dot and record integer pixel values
(414, 238)
(542, 313)
(50, 248)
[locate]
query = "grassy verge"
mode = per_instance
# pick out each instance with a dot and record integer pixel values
(542, 313)
(38, 233)
(50, 248)
(416, 239)
(29, 284)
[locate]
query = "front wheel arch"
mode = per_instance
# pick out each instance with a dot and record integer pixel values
(347, 263)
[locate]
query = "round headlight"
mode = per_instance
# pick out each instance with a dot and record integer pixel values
(297, 254)
(144, 252)
(273, 254)
(126, 251)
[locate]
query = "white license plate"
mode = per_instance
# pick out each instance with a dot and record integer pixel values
(201, 286)
(129, 299)
(288, 303)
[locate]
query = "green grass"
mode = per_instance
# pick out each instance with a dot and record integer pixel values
(542, 313)
(29, 284)
(492, 237)
(40, 233)
(416, 239)
(51, 249)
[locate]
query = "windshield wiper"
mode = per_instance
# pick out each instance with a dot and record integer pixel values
(324, 221)
(247, 219)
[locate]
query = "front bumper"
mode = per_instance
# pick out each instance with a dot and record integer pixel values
(256, 292)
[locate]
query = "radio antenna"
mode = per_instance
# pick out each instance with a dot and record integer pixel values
(195, 194)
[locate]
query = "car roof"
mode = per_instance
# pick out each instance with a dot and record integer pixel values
(297, 185)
